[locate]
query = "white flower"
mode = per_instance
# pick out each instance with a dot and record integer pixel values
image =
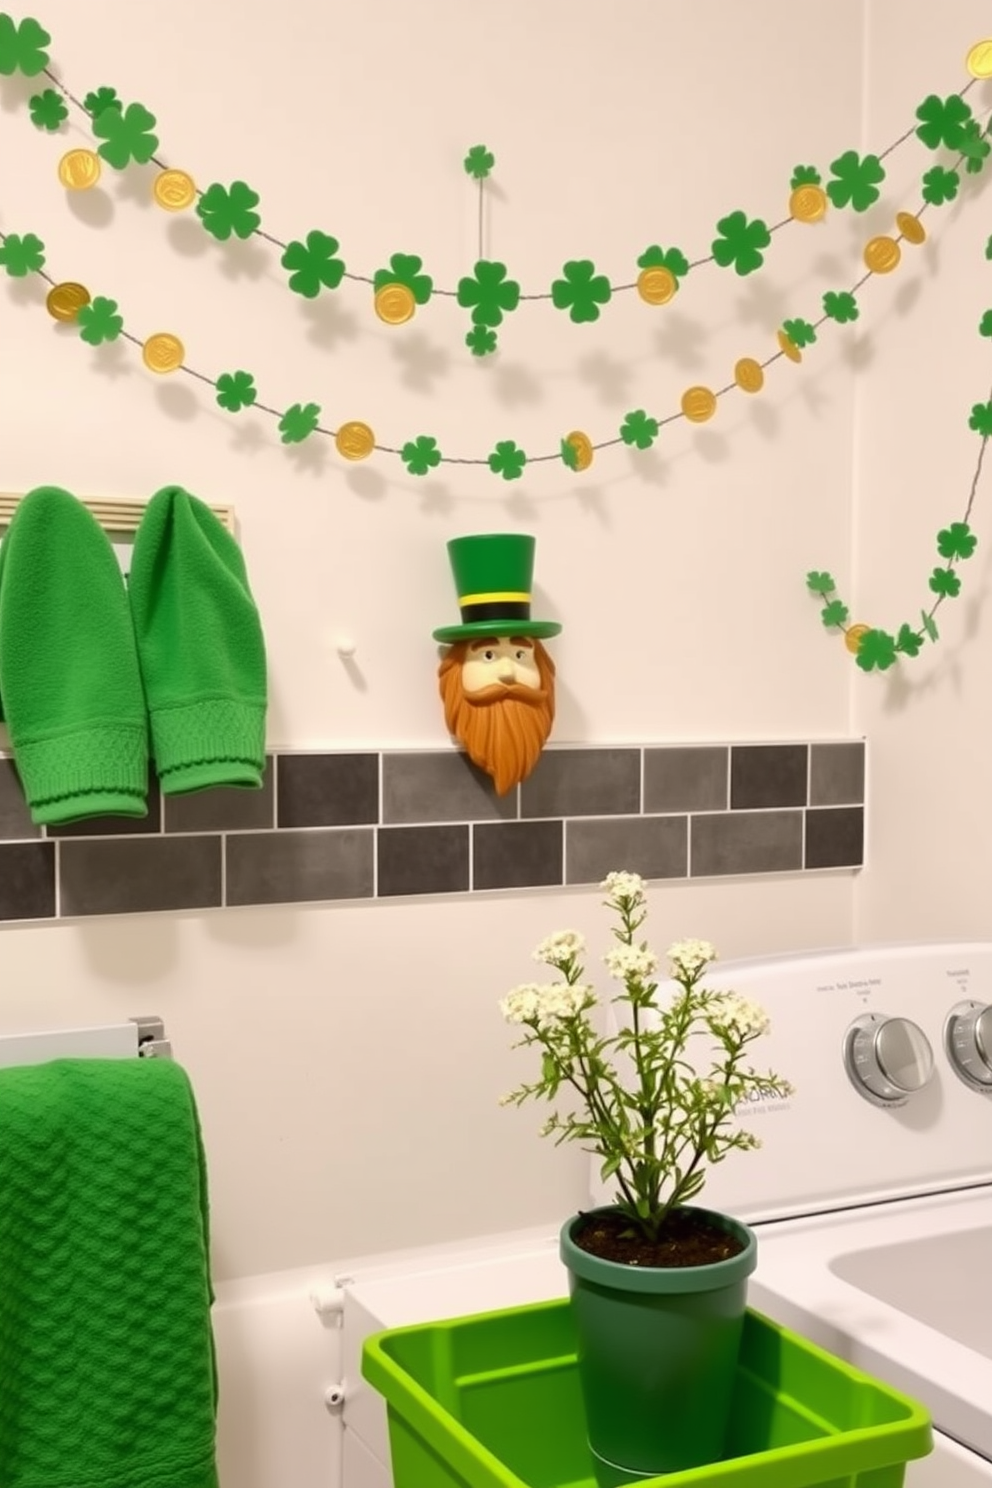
(562, 1001)
(636, 963)
(688, 957)
(624, 888)
(560, 947)
(739, 1016)
(521, 1005)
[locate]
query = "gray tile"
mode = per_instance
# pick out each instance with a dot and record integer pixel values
(285, 867)
(131, 875)
(516, 855)
(583, 782)
(835, 837)
(746, 842)
(686, 779)
(15, 818)
(653, 846)
(763, 775)
(837, 774)
(27, 880)
(439, 788)
(225, 808)
(422, 860)
(327, 790)
(117, 826)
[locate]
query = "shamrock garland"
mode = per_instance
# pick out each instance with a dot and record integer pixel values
(489, 293)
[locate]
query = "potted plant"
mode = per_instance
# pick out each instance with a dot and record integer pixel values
(658, 1285)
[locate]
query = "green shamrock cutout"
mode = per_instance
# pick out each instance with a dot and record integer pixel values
(855, 180)
(840, 305)
(507, 460)
(929, 625)
(945, 582)
(988, 248)
(805, 175)
(741, 243)
(405, 268)
(479, 162)
(876, 650)
(101, 98)
(799, 332)
(128, 135)
(985, 324)
(940, 185)
(569, 454)
(22, 255)
(488, 293)
(639, 429)
(225, 210)
(481, 341)
(47, 110)
(299, 422)
(820, 583)
(236, 390)
(975, 148)
(581, 291)
(956, 541)
(22, 46)
(99, 321)
(980, 420)
(312, 264)
(834, 613)
(421, 455)
(943, 121)
(672, 259)
(908, 641)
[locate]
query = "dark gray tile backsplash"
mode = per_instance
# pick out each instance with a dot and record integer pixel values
(131, 875)
(583, 782)
(319, 830)
(438, 787)
(327, 790)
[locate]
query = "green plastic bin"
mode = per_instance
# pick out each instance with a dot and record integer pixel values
(493, 1401)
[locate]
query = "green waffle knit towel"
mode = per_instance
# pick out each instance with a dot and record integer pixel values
(200, 646)
(69, 678)
(106, 1351)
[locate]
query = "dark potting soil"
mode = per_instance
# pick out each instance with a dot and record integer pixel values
(686, 1240)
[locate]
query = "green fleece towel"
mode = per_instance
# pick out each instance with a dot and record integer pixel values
(106, 1351)
(69, 678)
(200, 647)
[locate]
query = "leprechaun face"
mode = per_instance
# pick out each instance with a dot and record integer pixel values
(499, 703)
(500, 662)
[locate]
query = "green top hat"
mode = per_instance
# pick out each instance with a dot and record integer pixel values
(493, 573)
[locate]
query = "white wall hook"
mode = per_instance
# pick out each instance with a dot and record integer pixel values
(345, 647)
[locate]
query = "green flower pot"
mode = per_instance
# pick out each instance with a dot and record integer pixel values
(657, 1354)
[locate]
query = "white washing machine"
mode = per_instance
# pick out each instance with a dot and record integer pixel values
(872, 1194)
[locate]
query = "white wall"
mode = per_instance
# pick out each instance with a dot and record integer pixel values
(348, 1059)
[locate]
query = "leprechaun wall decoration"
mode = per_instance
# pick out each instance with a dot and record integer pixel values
(497, 681)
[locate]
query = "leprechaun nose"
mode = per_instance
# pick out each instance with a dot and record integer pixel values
(504, 670)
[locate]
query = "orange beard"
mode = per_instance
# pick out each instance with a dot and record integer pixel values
(503, 728)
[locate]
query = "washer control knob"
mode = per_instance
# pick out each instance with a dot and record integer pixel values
(887, 1059)
(968, 1044)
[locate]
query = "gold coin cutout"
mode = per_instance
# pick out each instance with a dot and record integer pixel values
(852, 637)
(163, 352)
(582, 445)
(882, 255)
(64, 301)
(174, 190)
(911, 228)
(979, 60)
(354, 441)
(656, 286)
(749, 375)
(790, 348)
(79, 169)
(395, 304)
(808, 204)
(698, 404)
